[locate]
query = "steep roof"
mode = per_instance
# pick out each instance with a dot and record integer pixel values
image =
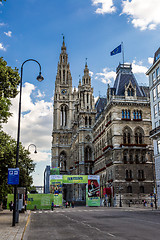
(124, 76)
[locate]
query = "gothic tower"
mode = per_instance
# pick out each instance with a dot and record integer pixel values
(62, 113)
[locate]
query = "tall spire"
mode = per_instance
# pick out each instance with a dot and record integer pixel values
(63, 48)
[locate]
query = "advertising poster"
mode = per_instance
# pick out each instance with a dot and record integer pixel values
(93, 190)
(56, 189)
(54, 171)
(39, 201)
(69, 179)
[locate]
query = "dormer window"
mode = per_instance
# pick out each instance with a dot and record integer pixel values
(130, 91)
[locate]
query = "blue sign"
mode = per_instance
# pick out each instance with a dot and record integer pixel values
(13, 176)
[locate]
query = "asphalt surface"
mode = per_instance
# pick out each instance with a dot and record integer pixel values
(91, 223)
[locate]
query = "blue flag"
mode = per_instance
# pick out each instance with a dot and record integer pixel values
(116, 50)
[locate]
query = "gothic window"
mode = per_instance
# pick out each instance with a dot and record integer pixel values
(125, 157)
(87, 97)
(127, 136)
(141, 189)
(137, 158)
(64, 115)
(134, 114)
(137, 114)
(90, 121)
(86, 122)
(63, 76)
(67, 78)
(128, 174)
(131, 158)
(62, 161)
(126, 114)
(87, 158)
(86, 80)
(140, 174)
(130, 91)
(129, 189)
(139, 135)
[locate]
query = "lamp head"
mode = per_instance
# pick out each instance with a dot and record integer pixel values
(35, 151)
(40, 78)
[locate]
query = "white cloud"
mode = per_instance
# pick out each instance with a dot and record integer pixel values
(150, 60)
(106, 6)
(143, 14)
(40, 95)
(105, 76)
(2, 47)
(138, 67)
(91, 73)
(9, 33)
(36, 123)
(2, 24)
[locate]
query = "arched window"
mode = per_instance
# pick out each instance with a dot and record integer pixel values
(88, 159)
(90, 121)
(127, 135)
(129, 189)
(139, 133)
(63, 76)
(141, 189)
(64, 115)
(62, 161)
(125, 157)
(122, 114)
(86, 122)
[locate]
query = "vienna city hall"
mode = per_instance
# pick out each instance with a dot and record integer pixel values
(109, 138)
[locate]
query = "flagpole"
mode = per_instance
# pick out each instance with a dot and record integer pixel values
(122, 52)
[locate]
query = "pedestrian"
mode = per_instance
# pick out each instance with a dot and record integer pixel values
(66, 204)
(72, 204)
(52, 205)
(11, 206)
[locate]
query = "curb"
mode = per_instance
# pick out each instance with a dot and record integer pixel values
(26, 225)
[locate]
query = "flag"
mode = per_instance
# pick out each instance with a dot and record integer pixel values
(116, 50)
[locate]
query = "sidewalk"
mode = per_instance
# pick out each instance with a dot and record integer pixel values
(7, 232)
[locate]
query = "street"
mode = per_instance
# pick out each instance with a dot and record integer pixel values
(94, 223)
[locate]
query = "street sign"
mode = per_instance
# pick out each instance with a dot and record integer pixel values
(13, 176)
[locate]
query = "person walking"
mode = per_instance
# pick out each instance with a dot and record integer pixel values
(52, 206)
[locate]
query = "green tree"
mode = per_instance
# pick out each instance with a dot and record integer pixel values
(8, 160)
(9, 80)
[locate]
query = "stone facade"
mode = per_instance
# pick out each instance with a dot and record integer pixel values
(109, 138)
(122, 147)
(73, 121)
(154, 85)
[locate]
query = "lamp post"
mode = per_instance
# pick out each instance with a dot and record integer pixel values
(34, 146)
(39, 78)
(154, 182)
(120, 200)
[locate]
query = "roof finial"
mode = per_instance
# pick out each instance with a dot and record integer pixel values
(86, 62)
(63, 37)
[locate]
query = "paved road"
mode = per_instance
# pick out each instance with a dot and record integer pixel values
(94, 224)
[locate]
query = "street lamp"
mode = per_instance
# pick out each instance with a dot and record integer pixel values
(154, 182)
(34, 146)
(120, 200)
(39, 78)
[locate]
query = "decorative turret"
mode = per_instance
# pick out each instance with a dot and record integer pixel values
(86, 79)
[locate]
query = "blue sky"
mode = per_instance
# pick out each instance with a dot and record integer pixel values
(92, 29)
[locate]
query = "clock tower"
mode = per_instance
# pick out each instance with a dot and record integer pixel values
(62, 113)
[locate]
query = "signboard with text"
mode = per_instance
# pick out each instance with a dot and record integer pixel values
(13, 176)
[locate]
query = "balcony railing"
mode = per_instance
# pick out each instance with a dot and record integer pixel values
(154, 131)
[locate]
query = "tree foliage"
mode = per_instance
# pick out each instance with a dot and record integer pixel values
(8, 160)
(9, 80)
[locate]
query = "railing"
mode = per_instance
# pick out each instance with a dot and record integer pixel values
(154, 131)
